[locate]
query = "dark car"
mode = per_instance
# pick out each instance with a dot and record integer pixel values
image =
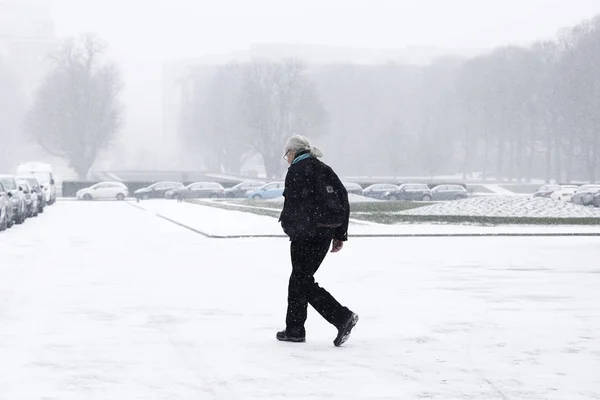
(412, 192)
(6, 209)
(156, 190)
(239, 190)
(353, 188)
(197, 190)
(448, 192)
(596, 200)
(37, 189)
(585, 195)
(17, 198)
(382, 191)
(31, 199)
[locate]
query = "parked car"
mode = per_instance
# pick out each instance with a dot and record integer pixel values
(585, 195)
(381, 191)
(104, 191)
(197, 190)
(37, 189)
(596, 200)
(44, 174)
(353, 188)
(31, 200)
(156, 190)
(412, 192)
(546, 190)
(556, 192)
(17, 199)
(448, 192)
(268, 191)
(239, 190)
(5, 209)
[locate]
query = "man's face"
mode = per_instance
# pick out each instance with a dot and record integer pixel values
(289, 156)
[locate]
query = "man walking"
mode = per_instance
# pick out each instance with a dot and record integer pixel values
(315, 216)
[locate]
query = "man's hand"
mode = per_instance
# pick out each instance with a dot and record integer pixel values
(337, 245)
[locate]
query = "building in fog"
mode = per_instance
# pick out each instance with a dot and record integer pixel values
(27, 37)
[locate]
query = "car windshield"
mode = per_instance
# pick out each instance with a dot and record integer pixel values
(9, 184)
(42, 177)
(32, 182)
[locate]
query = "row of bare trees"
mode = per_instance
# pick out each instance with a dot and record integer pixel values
(252, 108)
(515, 113)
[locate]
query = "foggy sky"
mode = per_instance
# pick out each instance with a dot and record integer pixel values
(143, 35)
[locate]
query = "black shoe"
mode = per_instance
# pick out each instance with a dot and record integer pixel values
(283, 336)
(344, 331)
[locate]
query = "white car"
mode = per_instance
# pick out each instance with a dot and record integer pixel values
(43, 173)
(104, 191)
(557, 192)
(564, 193)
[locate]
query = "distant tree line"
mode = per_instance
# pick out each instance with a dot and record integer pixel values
(515, 113)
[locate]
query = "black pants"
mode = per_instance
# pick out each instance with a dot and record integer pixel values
(307, 256)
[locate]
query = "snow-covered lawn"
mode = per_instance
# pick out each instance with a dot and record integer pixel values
(507, 206)
(352, 198)
(220, 222)
(107, 301)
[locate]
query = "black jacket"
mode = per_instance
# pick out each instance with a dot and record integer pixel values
(300, 209)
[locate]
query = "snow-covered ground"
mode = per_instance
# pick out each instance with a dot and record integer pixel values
(508, 206)
(107, 301)
(218, 222)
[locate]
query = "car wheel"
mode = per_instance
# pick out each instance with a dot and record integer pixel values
(214, 196)
(87, 197)
(427, 198)
(393, 197)
(257, 197)
(146, 197)
(120, 197)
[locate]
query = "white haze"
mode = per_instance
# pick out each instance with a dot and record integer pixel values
(143, 36)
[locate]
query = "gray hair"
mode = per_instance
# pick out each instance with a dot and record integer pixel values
(298, 143)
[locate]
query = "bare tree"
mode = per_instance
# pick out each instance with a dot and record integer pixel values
(216, 128)
(278, 100)
(77, 111)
